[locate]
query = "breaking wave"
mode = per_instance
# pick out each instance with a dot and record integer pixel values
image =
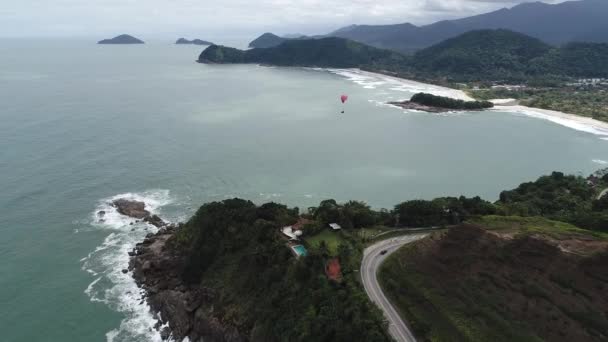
(106, 263)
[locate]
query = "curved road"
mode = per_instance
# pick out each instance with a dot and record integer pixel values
(602, 194)
(372, 259)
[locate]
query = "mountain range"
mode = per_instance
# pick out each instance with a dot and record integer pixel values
(554, 24)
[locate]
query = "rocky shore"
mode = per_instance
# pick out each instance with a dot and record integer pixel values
(183, 310)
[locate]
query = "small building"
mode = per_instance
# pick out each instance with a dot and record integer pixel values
(335, 226)
(333, 270)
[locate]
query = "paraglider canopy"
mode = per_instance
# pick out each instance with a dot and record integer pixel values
(343, 98)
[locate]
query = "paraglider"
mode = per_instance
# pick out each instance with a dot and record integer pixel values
(343, 98)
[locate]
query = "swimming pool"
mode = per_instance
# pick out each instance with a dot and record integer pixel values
(300, 250)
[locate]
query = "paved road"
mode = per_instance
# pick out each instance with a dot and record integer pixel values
(372, 259)
(602, 194)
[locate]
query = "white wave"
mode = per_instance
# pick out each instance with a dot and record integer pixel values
(370, 80)
(113, 287)
(600, 161)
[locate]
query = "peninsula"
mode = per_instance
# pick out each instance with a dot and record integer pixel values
(440, 104)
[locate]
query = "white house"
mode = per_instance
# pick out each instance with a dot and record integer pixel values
(335, 226)
(290, 233)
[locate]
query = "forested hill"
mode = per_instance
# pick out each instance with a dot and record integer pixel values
(326, 52)
(552, 23)
(490, 54)
(266, 40)
(472, 56)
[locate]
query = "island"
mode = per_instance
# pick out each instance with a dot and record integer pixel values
(440, 104)
(184, 41)
(121, 39)
(237, 271)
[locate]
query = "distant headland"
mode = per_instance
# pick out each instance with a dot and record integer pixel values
(193, 42)
(122, 39)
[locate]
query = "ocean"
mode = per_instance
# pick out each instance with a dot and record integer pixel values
(81, 124)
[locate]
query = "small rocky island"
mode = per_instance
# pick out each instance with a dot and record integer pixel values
(122, 39)
(184, 41)
(441, 104)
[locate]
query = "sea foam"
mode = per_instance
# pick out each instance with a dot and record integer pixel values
(113, 287)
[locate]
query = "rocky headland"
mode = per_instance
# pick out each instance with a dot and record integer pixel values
(187, 309)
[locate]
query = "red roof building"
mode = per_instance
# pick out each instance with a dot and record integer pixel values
(332, 270)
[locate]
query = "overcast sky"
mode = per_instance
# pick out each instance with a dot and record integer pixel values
(218, 19)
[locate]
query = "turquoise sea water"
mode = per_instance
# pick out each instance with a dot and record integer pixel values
(81, 124)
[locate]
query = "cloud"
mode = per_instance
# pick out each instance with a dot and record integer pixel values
(212, 19)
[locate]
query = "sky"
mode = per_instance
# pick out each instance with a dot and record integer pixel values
(221, 19)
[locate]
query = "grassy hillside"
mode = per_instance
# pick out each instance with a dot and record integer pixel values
(472, 285)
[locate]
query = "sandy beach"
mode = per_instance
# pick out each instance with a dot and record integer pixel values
(371, 80)
(577, 122)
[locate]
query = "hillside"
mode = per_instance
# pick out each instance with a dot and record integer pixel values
(580, 59)
(326, 52)
(477, 284)
(228, 274)
(484, 54)
(266, 40)
(552, 23)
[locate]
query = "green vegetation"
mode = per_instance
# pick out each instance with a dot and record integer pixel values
(266, 40)
(468, 285)
(590, 101)
(536, 225)
(450, 290)
(446, 102)
(332, 240)
(326, 52)
(483, 54)
(499, 56)
(441, 211)
(235, 248)
(559, 197)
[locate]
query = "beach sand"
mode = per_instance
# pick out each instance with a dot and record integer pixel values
(371, 80)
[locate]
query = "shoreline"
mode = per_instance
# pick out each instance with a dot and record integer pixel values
(572, 121)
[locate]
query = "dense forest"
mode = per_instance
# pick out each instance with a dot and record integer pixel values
(447, 102)
(327, 52)
(497, 55)
(236, 248)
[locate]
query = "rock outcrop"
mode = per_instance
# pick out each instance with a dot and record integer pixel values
(185, 307)
(137, 210)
